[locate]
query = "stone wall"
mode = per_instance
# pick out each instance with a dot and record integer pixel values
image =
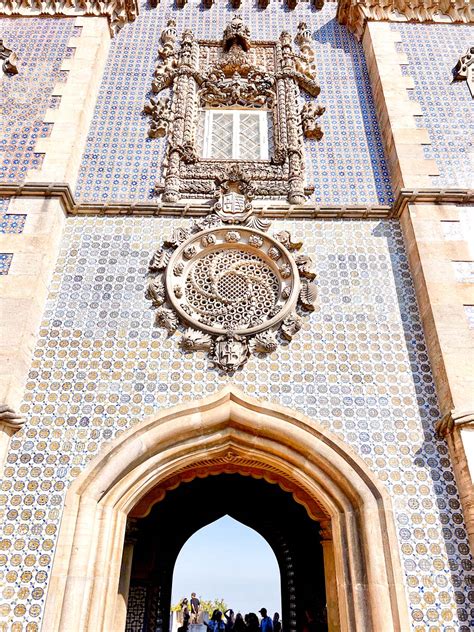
(432, 52)
(41, 46)
(347, 166)
(359, 366)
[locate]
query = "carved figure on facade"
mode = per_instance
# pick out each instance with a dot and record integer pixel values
(9, 59)
(234, 72)
(230, 288)
(310, 114)
(464, 69)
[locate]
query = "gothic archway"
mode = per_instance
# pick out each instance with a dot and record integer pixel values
(158, 535)
(227, 432)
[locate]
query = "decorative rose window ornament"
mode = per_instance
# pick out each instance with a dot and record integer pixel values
(229, 287)
(232, 90)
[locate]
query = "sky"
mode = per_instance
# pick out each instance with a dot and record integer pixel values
(227, 559)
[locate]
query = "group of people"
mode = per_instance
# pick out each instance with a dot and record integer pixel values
(229, 621)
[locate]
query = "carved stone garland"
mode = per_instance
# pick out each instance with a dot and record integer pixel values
(464, 69)
(230, 287)
(241, 74)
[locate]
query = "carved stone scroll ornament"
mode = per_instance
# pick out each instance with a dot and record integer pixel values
(231, 289)
(238, 73)
(9, 60)
(464, 69)
(11, 419)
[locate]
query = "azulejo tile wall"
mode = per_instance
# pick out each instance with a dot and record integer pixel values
(10, 223)
(433, 51)
(41, 47)
(359, 366)
(121, 163)
(5, 262)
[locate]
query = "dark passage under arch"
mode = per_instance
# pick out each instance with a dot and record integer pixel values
(264, 507)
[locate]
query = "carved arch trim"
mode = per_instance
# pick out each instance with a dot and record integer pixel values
(85, 575)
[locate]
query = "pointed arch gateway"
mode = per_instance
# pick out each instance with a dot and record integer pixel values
(227, 432)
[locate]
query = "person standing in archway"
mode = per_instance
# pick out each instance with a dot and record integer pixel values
(276, 622)
(266, 624)
(195, 607)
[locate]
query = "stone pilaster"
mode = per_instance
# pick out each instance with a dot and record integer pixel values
(442, 298)
(396, 112)
(63, 149)
(23, 291)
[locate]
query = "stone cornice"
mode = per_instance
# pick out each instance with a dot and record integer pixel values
(452, 420)
(355, 13)
(119, 12)
(272, 209)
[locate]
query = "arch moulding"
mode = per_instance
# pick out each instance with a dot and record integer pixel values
(226, 432)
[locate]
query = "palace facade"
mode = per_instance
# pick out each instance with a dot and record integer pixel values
(237, 261)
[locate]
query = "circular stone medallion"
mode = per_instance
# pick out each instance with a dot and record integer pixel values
(222, 280)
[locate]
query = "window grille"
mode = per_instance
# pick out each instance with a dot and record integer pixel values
(234, 134)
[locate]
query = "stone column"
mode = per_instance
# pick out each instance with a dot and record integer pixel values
(330, 576)
(125, 575)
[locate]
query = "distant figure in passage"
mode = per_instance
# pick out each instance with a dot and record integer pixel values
(276, 622)
(266, 624)
(252, 622)
(195, 607)
(239, 623)
(310, 625)
(216, 624)
(229, 619)
(185, 613)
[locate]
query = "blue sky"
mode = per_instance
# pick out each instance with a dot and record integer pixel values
(227, 559)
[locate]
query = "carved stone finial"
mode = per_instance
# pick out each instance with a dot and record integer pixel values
(9, 60)
(10, 418)
(168, 38)
(464, 69)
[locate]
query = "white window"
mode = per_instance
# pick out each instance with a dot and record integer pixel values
(234, 134)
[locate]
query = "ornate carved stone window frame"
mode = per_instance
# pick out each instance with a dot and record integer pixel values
(234, 72)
